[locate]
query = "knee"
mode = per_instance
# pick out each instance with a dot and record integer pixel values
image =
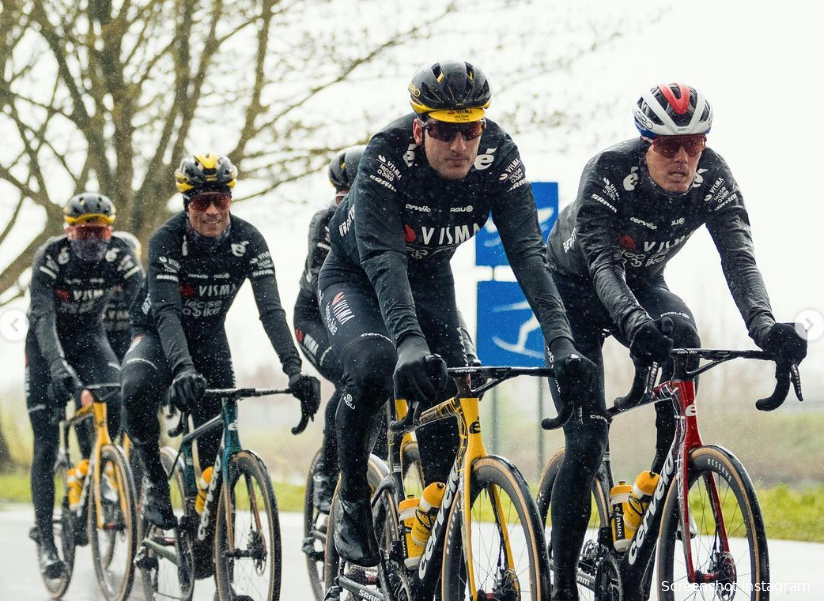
(585, 446)
(368, 370)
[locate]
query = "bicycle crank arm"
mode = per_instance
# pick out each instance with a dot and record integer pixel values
(359, 590)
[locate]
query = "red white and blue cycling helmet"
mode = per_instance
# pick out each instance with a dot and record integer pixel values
(674, 109)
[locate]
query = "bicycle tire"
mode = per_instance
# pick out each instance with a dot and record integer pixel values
(119, 522)
(492, 479)
(166, 580)
(375, 473)
(234, 576)
(740, 509)
(63, 526)
(599, 518)
(312, 535)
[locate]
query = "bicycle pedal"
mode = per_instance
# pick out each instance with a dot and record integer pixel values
(146, 562)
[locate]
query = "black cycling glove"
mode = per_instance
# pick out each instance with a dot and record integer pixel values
(651, 341)
(187, 389)
(782, 339)
(575, 375)
(307, 390)
(64, 380)
(419, 375)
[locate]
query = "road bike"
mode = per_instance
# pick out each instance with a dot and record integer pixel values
(236, 536)
(486, 541)
(103, 516)
(315, 521)
(702, 489)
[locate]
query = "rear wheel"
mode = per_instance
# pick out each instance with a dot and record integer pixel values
(727, 536)
(314, 532)
(247, 533)
(64, 526)
(166, 558)
(588, 570)
(504, 535)
(111, 525)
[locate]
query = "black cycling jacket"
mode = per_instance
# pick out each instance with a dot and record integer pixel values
(318, 249)
(623, 228)
(69, 294)
(189, 289)
(401, 222)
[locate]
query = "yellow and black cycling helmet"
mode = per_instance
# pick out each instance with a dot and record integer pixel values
(452, 91)
(210, 172)
(344, 167)
(89, 207)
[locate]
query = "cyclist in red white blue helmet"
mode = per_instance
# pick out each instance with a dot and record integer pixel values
(638, 203)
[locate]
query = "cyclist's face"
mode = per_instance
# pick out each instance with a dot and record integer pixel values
(452, 160)
(674, 174)
(209, 222)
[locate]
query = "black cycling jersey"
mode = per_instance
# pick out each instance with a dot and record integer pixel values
(623, 228)
(117, 320)
(189, 289)
(69, 295)
(319, 245)
(402, 221)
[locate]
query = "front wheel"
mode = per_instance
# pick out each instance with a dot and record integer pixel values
(726, 535)
(505, 557)
(247, 533)
(112, 526)
(65, 527)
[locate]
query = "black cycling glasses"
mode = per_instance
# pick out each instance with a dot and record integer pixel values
(446, 132)
(668, 146)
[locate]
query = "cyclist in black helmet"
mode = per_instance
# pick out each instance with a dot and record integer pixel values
(637, 205)
(426, 183)
(66, 347)
(197, 262)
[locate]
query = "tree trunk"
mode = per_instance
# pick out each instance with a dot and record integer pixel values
(6, 462)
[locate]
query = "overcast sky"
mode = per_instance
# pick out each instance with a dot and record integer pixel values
(759, 64)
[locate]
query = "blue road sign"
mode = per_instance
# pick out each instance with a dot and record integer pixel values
(508, 333)
(488, 248)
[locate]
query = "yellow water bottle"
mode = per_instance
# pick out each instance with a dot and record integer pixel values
(203, 488)
(406, 513)
(426, 511)
(618, 496)
(74, 480)
(638, 501)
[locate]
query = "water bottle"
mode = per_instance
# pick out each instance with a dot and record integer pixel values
(426, 511)
(203, 489)
(618, 497)
(638, 501)
(406, 513)
(74, 480)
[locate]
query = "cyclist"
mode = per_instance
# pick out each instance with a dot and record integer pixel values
(197, 262)
(309, 329)
(116, 317)
(637, 205)
(66, 346)
(426, 183)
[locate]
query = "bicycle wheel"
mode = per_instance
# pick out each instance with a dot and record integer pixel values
(167, 567)
(385, 519)
(314, 532)
(112, 526)
(508, 554)
(247, 548)
(63, 525)
(741, 568)
(599, 518)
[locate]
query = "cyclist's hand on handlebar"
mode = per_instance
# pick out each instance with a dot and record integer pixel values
(651, 341)
(188, 388)
(576, 375)
(64, 380)
(419, 375)
(306, 389)
(782, 340)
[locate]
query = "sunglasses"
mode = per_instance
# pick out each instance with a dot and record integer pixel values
(668, 146)
(201, 202)
(88, 231)
(446, 132)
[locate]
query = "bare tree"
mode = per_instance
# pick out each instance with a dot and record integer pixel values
(111, 94)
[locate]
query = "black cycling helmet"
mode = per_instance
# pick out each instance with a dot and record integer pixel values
(89, 207)
(205, 172)
(344, 167)
(452, 91)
